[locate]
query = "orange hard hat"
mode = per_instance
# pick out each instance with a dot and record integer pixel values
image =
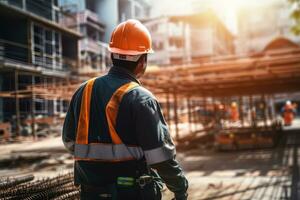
(130, 38)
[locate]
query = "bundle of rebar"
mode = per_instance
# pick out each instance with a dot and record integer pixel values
(8, 182)
(25, 187)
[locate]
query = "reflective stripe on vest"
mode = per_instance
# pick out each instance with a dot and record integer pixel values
(112, 110)
(117, 151)
(84, 116)
(107, 152)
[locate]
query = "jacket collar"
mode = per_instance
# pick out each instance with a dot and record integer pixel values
(123, 73)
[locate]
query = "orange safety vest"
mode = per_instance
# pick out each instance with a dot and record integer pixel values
(117, 150)
(288, 114)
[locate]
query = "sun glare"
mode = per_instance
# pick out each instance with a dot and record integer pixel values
(228, 9)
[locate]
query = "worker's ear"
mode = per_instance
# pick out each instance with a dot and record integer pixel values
(141, 67)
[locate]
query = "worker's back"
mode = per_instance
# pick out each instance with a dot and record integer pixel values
(101, 172)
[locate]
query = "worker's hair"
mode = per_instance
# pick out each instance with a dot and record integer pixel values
(129, 65)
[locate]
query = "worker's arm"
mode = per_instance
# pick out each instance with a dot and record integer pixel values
(70, 123)
(173, 176)
(154, 138)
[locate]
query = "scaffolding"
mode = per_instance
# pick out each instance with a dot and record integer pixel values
(191, 97)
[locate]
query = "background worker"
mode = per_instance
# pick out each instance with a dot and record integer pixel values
(116, 130)
(288, 113)
(234, 112)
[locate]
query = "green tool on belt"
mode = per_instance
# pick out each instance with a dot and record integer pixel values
(125, 181)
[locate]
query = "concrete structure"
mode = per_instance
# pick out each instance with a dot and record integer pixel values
(111, 12)
(34, 49)
(96, 19)
(94, 56)
(129, 9)
(117, 11)
(188, 38)
(259, 24)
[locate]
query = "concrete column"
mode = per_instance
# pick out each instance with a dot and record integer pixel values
(108, 12)
(132, 8)
(24, 6)
(17, 107)
(166, 42)
(32, 111)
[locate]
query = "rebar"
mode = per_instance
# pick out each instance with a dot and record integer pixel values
(25, 188)
(38, 186)
(16, 181)
(47, 194)
(71, 196)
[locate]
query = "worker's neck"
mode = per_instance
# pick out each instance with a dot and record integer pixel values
(123, 69)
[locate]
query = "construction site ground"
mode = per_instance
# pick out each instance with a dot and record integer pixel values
(261, 174)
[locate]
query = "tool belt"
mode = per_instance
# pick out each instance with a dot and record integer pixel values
(142, 181)
(149, 188)
(141, 188)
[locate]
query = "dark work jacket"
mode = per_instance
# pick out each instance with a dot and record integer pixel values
(139, 122)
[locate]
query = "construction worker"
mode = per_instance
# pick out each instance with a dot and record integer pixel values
(288, 113)
(234, 112)
(116, 131)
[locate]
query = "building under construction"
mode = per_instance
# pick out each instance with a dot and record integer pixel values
(34, 49)
(187, 39)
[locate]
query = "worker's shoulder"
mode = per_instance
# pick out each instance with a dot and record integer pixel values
(83, 84)
(94, 81)
(144, 92)
(140, 94)
(80, 88)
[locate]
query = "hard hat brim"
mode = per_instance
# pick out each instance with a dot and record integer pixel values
(129, 52)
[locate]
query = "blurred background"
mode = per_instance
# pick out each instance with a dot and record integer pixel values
(226, 74)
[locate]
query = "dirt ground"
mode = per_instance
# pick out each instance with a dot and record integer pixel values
(265, 174)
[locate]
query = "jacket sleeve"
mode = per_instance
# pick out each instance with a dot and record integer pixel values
(70, 123)
(173, 176)
(159, 149)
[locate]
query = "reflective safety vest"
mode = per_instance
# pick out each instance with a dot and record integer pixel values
(109, 152)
